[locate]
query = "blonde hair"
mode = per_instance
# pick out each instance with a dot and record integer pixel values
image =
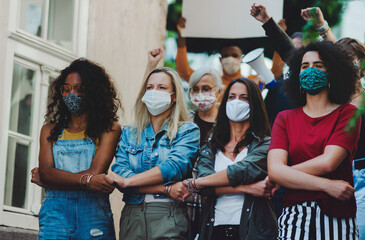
(179, 113)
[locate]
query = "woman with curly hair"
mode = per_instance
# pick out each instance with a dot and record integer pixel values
(153, 156)
(310, 151)
(77, 145)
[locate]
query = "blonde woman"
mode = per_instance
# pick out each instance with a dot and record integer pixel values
(153, 156)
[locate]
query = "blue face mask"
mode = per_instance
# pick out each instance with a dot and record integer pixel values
(313, 80)
(74, 103)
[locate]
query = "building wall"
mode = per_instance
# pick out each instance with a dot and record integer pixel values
(119, 39)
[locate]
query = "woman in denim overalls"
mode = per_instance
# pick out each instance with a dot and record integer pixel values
(153, 156)
(77, 144)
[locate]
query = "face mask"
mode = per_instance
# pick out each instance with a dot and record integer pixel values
(203, 101)
(237, 110)
(313, 80)
(231, 65)
(157, 101)
(74, 103)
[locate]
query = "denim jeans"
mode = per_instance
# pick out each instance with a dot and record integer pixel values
(359, 183)
(75, 215)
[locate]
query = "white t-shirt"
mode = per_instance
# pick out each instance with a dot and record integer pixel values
(228, 208)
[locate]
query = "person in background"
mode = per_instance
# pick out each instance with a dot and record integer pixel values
(232, 169)
(205, 87)
(310, 152)
(153, 156)
(77, 145)
(231, 58)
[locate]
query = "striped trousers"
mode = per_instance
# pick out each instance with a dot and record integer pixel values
(307, 221)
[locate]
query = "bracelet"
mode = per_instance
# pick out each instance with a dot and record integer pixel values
(167, 190)
(325, 33)
(324, 28)
(88, 181)
(81, 184)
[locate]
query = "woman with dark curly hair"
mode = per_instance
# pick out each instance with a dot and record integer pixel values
(310, 152)
(77, 145)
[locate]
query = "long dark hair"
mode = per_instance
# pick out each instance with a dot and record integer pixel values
(101, 101)
(342, 74)
(259, 123)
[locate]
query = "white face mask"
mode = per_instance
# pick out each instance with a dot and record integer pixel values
(237, 110)
(157, 101)
(231, 65)
(203, 101)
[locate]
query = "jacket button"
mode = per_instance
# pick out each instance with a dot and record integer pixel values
(156, 154)
(212, 220)
(247, 209)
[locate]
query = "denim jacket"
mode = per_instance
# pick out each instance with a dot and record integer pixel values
(258, 220)
(175, 159)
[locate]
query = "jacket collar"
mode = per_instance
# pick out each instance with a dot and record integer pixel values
(150, 133)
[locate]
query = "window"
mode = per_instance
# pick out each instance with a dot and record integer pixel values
(52, 20)
(44, 37)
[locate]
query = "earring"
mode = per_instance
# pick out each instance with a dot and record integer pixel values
(301, 90)
(329, 87)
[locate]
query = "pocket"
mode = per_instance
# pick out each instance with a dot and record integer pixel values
(135, 156)
(74, 161)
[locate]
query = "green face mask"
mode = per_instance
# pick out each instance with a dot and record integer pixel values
(313, 80)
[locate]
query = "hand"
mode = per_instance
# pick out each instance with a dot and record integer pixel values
(101, 183)
(314, 12)
(260, 189)
(178, 190)
(117, 180)
(282, 24)
(154, 56)
(339, 189)
(259, 12)
(36, 178)
(187, 193)
(180, 25)
(259, 81)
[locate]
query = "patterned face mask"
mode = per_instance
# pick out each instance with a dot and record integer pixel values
(74, 103)
(313, 80)
(203, 101)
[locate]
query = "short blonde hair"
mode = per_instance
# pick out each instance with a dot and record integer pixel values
(179, 112)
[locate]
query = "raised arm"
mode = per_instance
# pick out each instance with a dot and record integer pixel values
(182, 63)
(282, 42)
(320, 23)
(52, 177)
(154, 57)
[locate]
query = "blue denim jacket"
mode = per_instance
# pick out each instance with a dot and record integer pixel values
(174, 159)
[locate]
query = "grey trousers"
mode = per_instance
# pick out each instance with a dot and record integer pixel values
(157, 220)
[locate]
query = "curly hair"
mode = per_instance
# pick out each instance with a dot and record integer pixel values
(355, 48)
(259, 121)
(101, 101)
(342, 74)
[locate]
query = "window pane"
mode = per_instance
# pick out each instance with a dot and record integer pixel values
(22, 93)
(31, 15)
(16, 183)
(61, 22)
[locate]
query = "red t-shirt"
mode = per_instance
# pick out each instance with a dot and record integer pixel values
(304, 138)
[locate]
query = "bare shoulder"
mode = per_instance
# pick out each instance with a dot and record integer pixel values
(46, 129)
(113, 133)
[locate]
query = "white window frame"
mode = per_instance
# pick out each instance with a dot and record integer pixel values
(48, 59)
